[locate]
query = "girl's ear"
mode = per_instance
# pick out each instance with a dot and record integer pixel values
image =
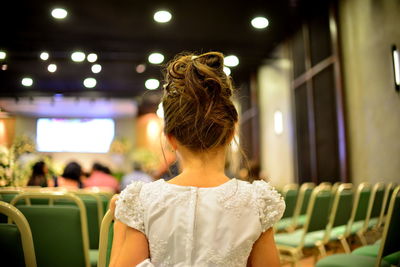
(172, 141)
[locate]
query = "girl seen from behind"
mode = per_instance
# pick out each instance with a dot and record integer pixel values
(200, 217)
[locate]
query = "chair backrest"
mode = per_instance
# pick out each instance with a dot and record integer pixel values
(361, 201)
(335, 187)
(94, 211)
(106, 237)
(302, 200)
(290, 193)
(341, 208)
(375, 202)
(60, 232)
(318, 208)
(7, 194)
(391, 232)
(15, 237)
(386, 199)
(360, 205)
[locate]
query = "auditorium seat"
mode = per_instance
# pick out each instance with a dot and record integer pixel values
(60, 232)
(16, 243)
(384, 253)
(106, 238)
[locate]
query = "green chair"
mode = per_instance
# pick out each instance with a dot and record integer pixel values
(385, 205)
(340, 214)
(290, 194)
(16, 243)
(8, 193)
(94, 210)
(291, 245)
(106, 238)
(298, 219)
(358, 213)
(388, 252)
(374, 210)
(60, 232)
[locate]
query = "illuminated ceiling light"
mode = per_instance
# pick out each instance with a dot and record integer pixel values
(156, 58)
(59, 13)
(4, 67)
(227, 71)
(140, 68)
(96, 68)
(231, 61)
(3, 55)
(52, 67)
(92, 57)
(44, 56)
(162, 16)
(89, 82)
(260, 22)
(78, 56)
(152, 84)
(27, 81)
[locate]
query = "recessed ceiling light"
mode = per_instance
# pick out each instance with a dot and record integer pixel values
(27, 81)
(52, 67)
(78, 56)
(227, 71)
(89, 82)
(152, 84)
(162, 16)
(96, 68)
(44, 56)
(140, 68)
(156, 58)
(59, 13)
(231, 61)
(3, 55)
(260, 22)
(4, 67)
(92, 57)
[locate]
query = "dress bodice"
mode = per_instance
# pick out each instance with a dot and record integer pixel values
(191, 226)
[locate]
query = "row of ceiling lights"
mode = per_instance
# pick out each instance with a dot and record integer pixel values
(161, 16)
(77, 56)
(164, 16)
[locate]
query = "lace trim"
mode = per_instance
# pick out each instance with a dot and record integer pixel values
(235, 197)
(269, 203)
(129, 209)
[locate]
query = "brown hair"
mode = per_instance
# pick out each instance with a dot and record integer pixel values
(198, 110)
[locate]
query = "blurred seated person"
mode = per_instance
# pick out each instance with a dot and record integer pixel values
(39, 175)
(100, 176)
(71, 177)
(136, 175)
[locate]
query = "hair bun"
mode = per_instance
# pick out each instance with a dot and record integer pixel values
(198, 110)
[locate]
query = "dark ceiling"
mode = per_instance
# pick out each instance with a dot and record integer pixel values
(123, 34)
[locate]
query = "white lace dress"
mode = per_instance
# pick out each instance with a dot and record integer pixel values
(191, 226)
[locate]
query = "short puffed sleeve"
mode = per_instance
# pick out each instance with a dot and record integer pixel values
(270, 204)
(129, 209)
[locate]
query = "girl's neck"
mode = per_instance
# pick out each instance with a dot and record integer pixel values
(201, 169)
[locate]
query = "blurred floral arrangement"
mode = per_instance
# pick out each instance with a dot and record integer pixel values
(120, 146)
(22, 145)
(146, 158)
(16, 162)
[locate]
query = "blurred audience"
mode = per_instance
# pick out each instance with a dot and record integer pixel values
(137, 174)
(39, 175)
(71, 177)
(100, 176)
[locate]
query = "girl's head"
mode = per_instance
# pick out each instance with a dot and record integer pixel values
(39, 169)
(72, 171)
(198, 110)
